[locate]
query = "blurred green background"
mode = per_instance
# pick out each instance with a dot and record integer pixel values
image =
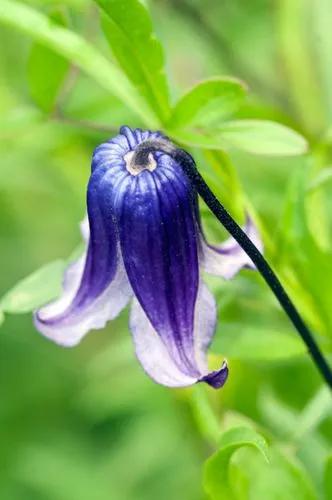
(87, 423)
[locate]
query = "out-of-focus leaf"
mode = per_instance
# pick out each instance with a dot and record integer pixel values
(46, 71)
(2, 317)
(79, 52)
(128, 28)
(34, 290)
(260, 137)
(318, 408)
(208, 102)
(216, 471)
(300, 247)
(328, 478)
(323, 178)
(294, 22)
(320, 21)
(241, 341)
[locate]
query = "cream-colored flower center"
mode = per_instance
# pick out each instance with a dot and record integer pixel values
(134, 169)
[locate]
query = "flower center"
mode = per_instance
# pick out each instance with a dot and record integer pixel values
(134, 168)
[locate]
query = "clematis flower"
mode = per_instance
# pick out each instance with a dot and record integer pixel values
(144, 244)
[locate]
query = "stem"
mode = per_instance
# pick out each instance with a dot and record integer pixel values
(189, 167)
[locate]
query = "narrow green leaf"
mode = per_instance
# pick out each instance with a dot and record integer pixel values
(79, 52)
(128, 29)
(208, 102)
(46, 71)
(2, 317)
(263, 137)
(294, 29)
(216, 470)
(242, 341)
(35, 290)
(318, 408)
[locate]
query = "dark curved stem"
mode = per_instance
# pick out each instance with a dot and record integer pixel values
(189, 167)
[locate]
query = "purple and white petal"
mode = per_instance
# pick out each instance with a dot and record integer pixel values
(95, 287)
(158, 239)
(155, 358)
(227, 259)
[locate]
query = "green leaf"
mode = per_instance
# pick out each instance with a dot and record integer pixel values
(283, 478)
(46, 71)
(328, 478)
(208, 102)
(216, 470)
(35, 290)
(260, 137)
(263, 137)
(322, 179)
(2, 317)
(128, 29)
(242, 341)
(79, 52)
(294, 23)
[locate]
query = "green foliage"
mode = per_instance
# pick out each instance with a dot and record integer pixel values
(328, 478)
(262, 137)
(216, 473)
(207, 103)
(78, 51)
(128, 29)
(39, 288)
(258, 137)
(45, 85)
(87, 422)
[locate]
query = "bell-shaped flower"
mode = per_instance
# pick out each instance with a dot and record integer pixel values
(144, 244)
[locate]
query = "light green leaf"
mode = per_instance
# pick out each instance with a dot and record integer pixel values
(283, 478)
(35, 290)
(260, 137)
(216, 471)
(208, 102)
(79, 52)
(322, 179)
(294, 23)
(46, 72)
(128, 28)
(263, 137)
(241, 341)
(2, 317)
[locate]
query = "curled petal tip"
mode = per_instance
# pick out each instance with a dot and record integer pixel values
(217, 378)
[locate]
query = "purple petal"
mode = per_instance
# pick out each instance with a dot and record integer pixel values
(156, 359)
(158, 239)
(95, 287)
(228, 258)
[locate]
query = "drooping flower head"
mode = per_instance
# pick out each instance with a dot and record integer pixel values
(144, 244)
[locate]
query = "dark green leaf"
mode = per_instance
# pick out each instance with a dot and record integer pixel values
(328, 478)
